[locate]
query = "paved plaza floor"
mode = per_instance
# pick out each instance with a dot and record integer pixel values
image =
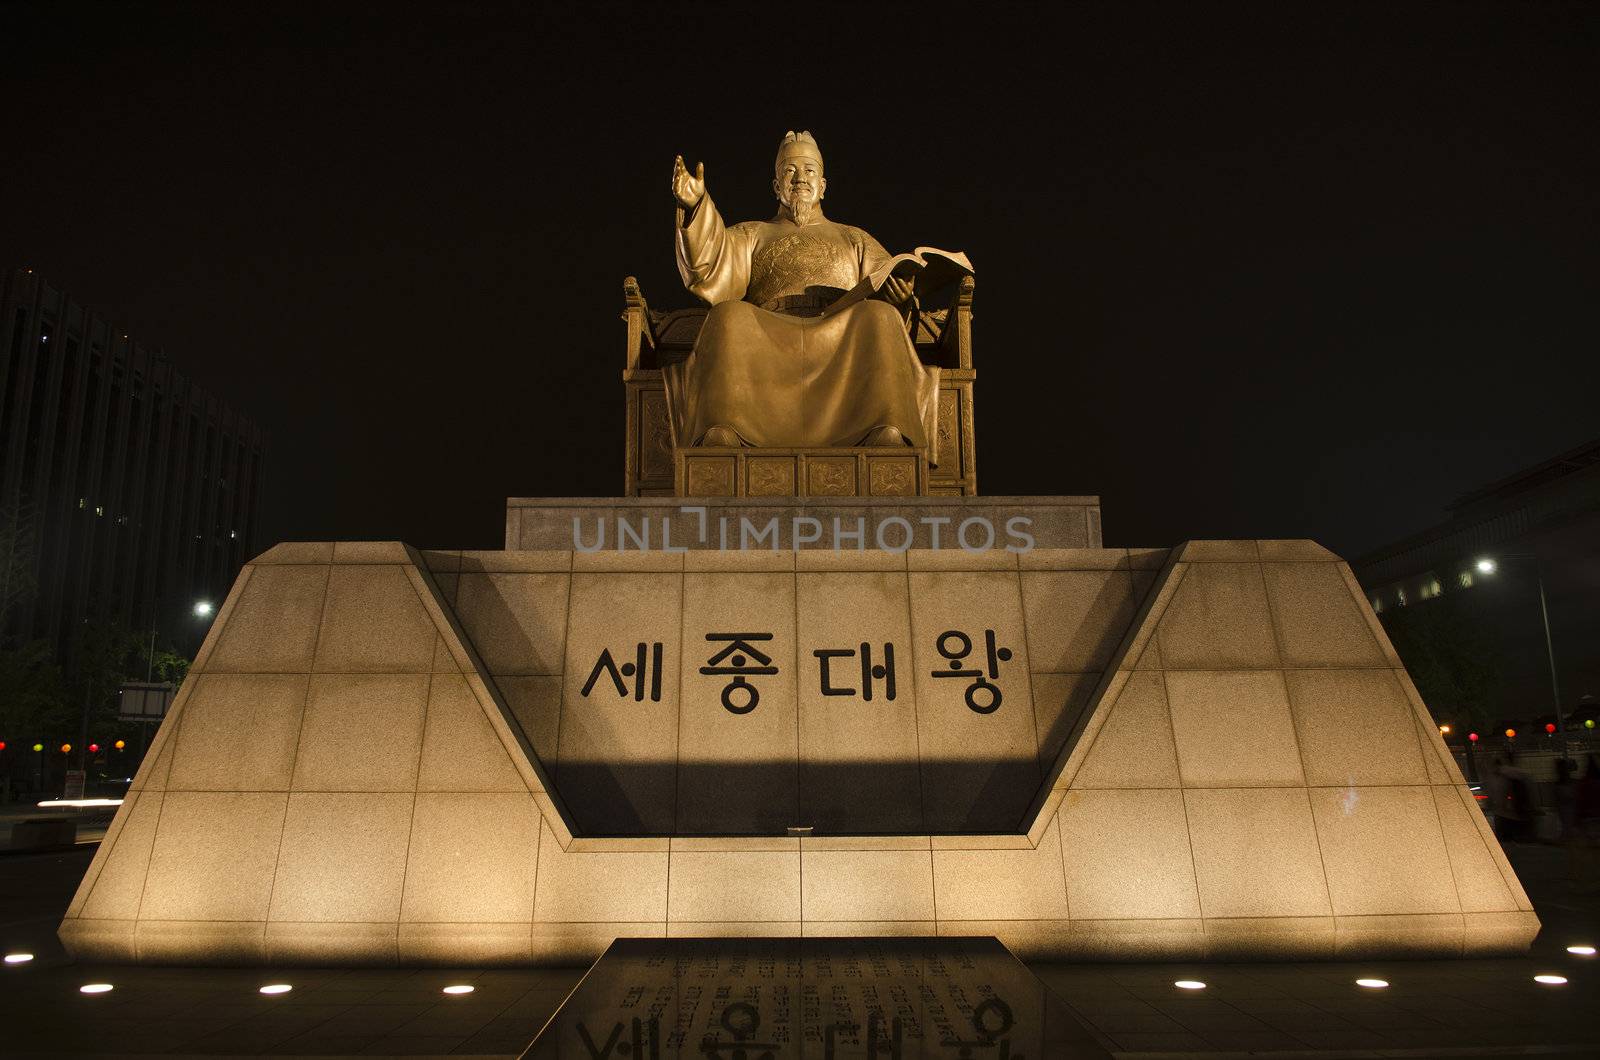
(1430, 1008)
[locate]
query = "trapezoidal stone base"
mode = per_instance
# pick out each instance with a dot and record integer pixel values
(387, 756)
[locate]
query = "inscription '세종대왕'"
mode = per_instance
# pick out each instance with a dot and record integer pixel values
(870, 672)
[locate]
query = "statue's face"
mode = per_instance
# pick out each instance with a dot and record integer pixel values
(799, 183)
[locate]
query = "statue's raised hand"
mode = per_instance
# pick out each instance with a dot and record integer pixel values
(688, 188)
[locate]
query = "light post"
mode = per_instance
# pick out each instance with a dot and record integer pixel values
(1488, 565)
(201, 609)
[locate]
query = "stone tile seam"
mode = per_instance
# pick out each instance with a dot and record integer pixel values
(677, 730)
(1033, 701)
(1424, 720)
(155, 836)
(294, 761)
(1444, 840)
(1359, 786)
(360, 791)
(1350, 921)
(561, 704)
(799, 740)
(108, 846)
(916, 709)
(1299, 750)
(1147, 616)
(411, 819)
(561, 673)
(452, 629)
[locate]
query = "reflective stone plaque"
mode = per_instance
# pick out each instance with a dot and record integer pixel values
(777, 999)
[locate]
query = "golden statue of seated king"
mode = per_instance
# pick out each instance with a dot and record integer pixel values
(772, 366)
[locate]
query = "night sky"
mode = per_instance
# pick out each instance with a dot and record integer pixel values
(1279, 271)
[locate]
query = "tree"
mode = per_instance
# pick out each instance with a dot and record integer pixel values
(1451, 657)
(33, 697)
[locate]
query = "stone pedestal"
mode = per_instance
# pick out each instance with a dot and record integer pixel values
(384, 755)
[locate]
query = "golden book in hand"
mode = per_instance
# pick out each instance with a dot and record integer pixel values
(931, 268)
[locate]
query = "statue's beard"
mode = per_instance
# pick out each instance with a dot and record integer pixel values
(801, 208)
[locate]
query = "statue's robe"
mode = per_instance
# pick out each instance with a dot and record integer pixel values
(768, 364)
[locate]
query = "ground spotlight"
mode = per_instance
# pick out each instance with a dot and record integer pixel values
(1189, 984)
(276, 988)
(1576, 951)
(459, 988)
(95, 988)
(1551, 980)
(1373, 984)
(24, 958)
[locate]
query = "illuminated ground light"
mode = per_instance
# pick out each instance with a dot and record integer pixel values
(24, 958)
(1551, 980)
(1189, 984)
(1576, 951)
(276, 988)
(459, 988)
(105, 988)
(1373, 984)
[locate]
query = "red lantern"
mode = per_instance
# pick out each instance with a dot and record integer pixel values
(1549, 726)
(94, 748)
(1511, 734)
(1472, 736)
(2, 745)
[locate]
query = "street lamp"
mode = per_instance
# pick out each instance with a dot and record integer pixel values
(202, 609)
(1488, 565)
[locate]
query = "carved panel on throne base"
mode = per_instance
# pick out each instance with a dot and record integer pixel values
(856, 472)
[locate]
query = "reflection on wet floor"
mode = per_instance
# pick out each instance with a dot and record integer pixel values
(828, 999)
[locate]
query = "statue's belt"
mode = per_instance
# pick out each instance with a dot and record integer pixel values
(801, 304)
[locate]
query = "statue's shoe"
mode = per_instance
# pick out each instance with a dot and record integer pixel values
(885, 436)
(724, 438)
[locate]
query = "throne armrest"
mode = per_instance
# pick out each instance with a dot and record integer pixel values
(958, 330)
(944, 336)
(636, 315)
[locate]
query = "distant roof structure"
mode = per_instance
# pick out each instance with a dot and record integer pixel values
(1573, 461)
(1545, 494)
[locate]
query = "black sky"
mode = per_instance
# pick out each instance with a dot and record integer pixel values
(1290, 270)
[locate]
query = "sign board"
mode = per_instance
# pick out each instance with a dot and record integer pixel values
(144, 700)
(74, 788)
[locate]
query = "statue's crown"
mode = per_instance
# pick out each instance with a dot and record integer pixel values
(802, 141)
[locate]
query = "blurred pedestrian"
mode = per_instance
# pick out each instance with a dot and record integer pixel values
(1586, 815)
(1566, 794)
(1510, 795)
